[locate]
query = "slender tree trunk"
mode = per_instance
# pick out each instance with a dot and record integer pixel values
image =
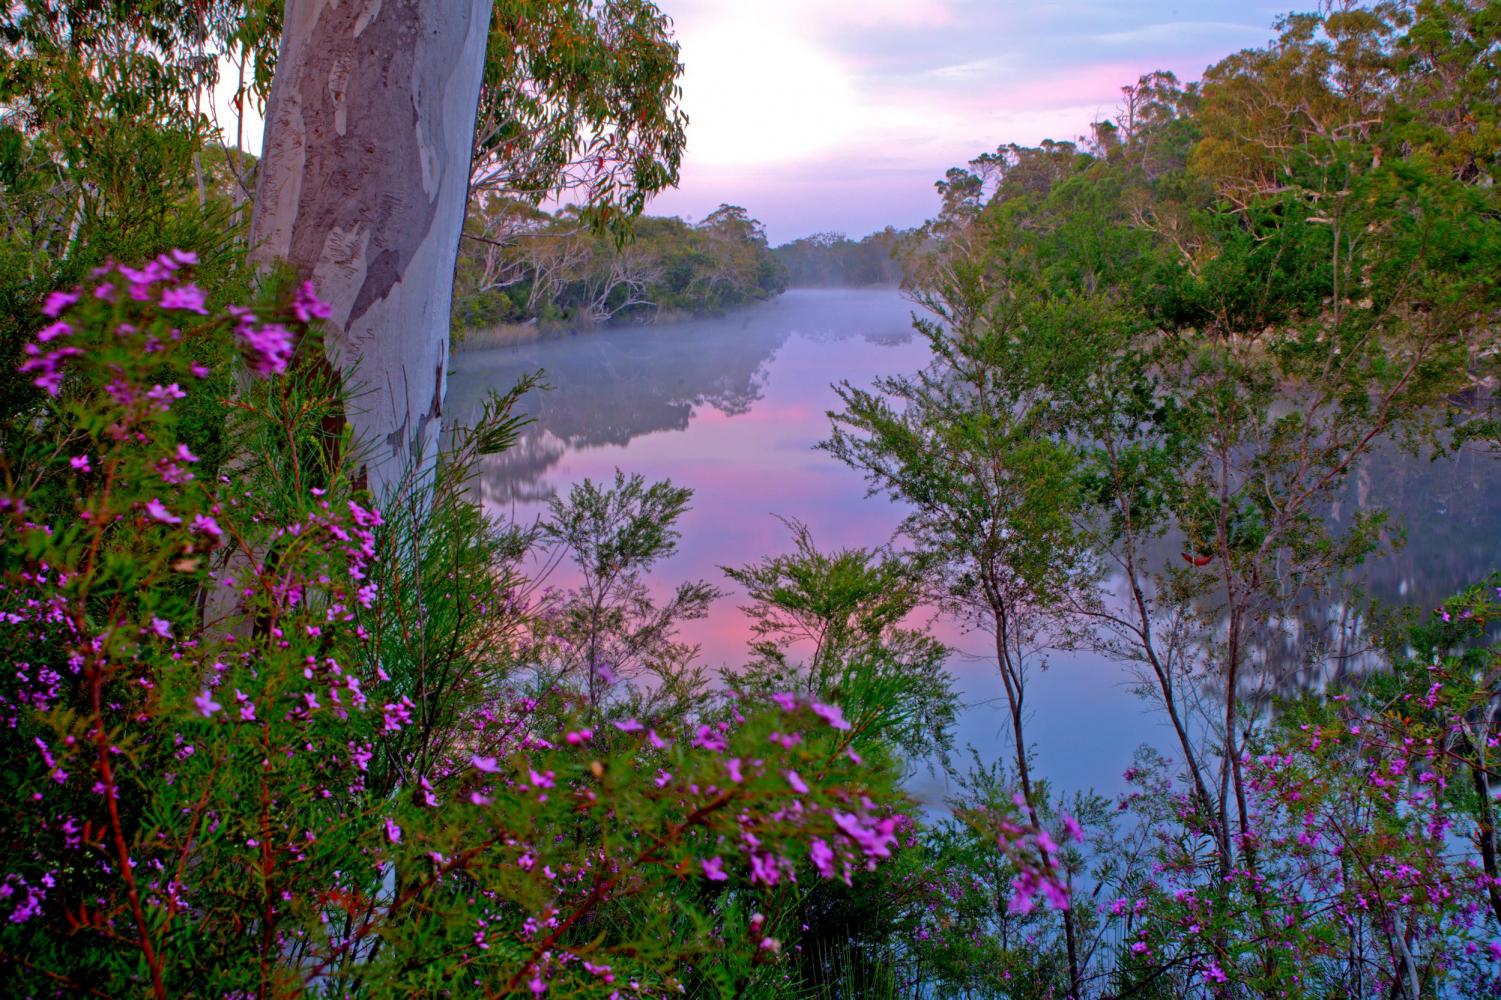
(1485, 834)
(1014, 684)
(362, 188)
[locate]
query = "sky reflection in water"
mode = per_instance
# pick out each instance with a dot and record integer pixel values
(733, 408)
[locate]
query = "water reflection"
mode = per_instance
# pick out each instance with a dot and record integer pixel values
(733, 408)
(610, 388)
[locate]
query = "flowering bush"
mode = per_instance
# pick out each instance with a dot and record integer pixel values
(229, 781)
(1369, 859)
(264, 736)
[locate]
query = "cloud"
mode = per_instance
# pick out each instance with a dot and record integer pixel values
(838, 114)
(1177, 31)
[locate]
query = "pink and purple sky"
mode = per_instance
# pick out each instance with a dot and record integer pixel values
(820, 115)
(840, 114)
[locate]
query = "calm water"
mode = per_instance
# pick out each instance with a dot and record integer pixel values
(733, 408)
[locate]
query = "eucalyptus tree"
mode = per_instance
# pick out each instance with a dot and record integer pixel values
(370, 150)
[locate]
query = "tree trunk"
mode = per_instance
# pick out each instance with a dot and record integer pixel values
(362, 187)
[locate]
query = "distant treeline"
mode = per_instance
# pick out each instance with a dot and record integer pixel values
(833, 259)
(519, 264)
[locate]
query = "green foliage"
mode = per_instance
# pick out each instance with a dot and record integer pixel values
(518, 264)
(609, 627)
(833, 259)
(335, 780)
(850, 607)
(580, 101)
(1162, 356)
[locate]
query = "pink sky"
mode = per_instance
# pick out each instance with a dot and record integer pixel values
(840, 114)
(821, 115)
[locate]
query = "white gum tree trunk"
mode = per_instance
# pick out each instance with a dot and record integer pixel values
(362, 186)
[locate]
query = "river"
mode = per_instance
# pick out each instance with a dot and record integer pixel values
(733, 408)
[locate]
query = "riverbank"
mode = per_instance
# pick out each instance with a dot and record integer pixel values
(516, 334)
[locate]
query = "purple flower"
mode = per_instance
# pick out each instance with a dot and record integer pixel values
(831, 714)
(53, 331)
(393, 832)
(163, 395)
(188, 298)
(822, 856)
(268, 349)
(80, 463)
(203, 524)
(629, 726)
(207, 706)
(306, 305)
(875, 842)
(798, 784)
(397, 714)
(486, 764)
(764, 869)
(157, 512)
(49, 365)
(543, 780)
(714, 869)
(57, 303)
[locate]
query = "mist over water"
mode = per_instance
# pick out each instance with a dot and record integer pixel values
(734, 407)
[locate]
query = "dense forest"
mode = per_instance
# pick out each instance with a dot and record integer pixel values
(519, 264)
(287, 715)
(827, 260)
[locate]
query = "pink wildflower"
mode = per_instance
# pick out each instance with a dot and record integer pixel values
(822, 856)
(188, 298)
(203, 524)
(542, 780)
(49, 365)
(157, 512)
(832, 714)
(306, 305)
(268, 348)
(57, 303)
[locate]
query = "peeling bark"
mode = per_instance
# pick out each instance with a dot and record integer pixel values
(362, 187)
